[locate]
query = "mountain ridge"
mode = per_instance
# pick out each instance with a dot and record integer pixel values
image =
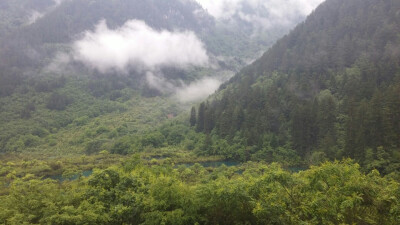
(305, 93)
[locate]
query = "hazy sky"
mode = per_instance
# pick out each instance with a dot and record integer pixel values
(261, 13)
(35, 15)
(227, 8)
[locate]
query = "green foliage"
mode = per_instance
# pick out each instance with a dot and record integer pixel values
(94, 146)
(73, 124)
(154, 139)
(318, 100)
(30, 201)
(57, 101)
(122, 146)
(332, 193)
(193, 117)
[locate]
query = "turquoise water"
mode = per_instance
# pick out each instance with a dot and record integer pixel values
(296, 169)
(212, 164)
(60, 178)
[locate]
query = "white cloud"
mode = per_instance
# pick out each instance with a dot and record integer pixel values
(186, 93)
(34, 15)
(198, 90)
(137, 45)
(265, 13)
(158, 81)
(58, 2)
(221, 9)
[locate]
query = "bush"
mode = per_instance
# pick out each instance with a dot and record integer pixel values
(122, 146)
(155, 139)
(94, 146)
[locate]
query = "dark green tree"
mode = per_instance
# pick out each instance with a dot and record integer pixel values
(193, 117)
(201, 117)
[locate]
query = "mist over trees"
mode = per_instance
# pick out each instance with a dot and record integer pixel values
(327, 88)
(104, 117)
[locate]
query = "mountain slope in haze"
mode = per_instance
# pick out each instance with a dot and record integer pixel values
(38, 105)
(259, 22)
(31, 49)
(235, 41)
(48, 97)
(71, 18)
(327, 90)
(17, 13)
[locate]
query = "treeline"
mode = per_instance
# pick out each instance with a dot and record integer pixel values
(304, 95)
(133, 193)
(337, 126)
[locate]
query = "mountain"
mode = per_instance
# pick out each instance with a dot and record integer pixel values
(329, 89)
(15, 14)
(64, 23)
(82, 141)
(45, 90)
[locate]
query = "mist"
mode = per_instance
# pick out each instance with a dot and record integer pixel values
(261, 13)
(198, 90)
(35, 15)
(136, 45)
(185, 93)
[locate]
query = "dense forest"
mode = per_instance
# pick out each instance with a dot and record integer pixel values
(137, 193)
(329, 89)
(45, 107)
(309, 133)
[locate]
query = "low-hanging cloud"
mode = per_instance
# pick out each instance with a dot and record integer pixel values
(34, 15)
(261, 13)
(198, 90)
(137, 45)
(185, 93)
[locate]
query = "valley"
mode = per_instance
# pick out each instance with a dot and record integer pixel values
(195, 112)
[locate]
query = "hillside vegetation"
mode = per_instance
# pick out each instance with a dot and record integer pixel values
(309, 133)
(329, 89)
(133, 193)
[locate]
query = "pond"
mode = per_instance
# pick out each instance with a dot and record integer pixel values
(296, 169)
(213, 164)
(60, 178)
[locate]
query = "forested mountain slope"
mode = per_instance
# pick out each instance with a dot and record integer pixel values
(37, 104)
(44, 88)
(66, 22)
(93, 147)
(329, 89)
(17, 13)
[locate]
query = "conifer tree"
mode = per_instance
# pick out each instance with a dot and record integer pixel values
(193, 117)
(200, 118)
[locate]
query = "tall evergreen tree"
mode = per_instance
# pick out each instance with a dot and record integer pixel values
(193, 117)
(200, 117)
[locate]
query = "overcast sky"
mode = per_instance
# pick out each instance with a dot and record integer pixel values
(227, 8)
(261, 13)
